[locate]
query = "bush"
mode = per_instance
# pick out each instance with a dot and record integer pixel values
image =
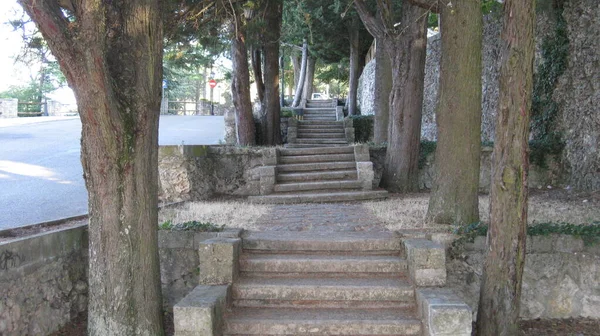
(191, 226)
(363, 127)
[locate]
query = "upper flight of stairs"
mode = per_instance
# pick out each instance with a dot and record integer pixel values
(320, 174)
(295, 284)
(319, 126)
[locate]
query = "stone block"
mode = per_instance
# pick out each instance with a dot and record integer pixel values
(219, 260)
(339, 113)
(269, 156)
(292, 134)
(361, 153)
(349, 131)
(365, 174)
(201, 311)
(348, 123)
(443, 313)
(267, 179)
(540, 244)
(569, 244)
(426, 262)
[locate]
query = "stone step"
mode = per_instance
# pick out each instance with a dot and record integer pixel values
(382, 243)
(298, 167)
(302, 263)
(313, 151)
(322, 304)
(307, 158)
(319, 117)
(321, 135)
(320, 127)
(323, 289)
(276, 321)
(317, 176)
(320, 197)
(314, 123)
(318, 185)
(332, 129)
(317, 109)
(321, 141)
(294, 145)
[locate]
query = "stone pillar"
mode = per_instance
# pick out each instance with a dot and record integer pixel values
(364, 166)
(267, 179)
(219, 260)
(443, 313)
(339, 113)
(9, 108)
(292, 134)
(426, 262)
(201, 311)
(230, 129)
(54, 108)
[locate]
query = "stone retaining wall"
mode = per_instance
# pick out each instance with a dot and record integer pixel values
(539, 177)
(561, 277)
(198, 172)
(43, 278)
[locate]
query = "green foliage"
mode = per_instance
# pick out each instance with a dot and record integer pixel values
(363, 127)
(191, 226)
(287, 112)
(491, 7)
(590, 233)
(426, 148)
(432, 20)
(544, 110)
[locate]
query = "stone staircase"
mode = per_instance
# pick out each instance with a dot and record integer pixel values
(321, 283)
(316, 285)
(320, 126)
(321, 174)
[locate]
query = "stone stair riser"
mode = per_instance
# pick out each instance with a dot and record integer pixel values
(316, 158)
(298, 167)
(316, 176)
(323, 304)
(320, 185)
(297, 152)
(304, 264)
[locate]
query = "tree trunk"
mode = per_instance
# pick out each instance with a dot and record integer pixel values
(256, 60)
(115, 69)
(240, 88)
(300, 84)
(353, 32)
(500, 295)
(296, 64)
(454, 196)
(307, 91)
(383, 86)
(270, 105)
(407, 55)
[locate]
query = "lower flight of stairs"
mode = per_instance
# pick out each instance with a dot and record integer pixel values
(318, 174)
(353, 284)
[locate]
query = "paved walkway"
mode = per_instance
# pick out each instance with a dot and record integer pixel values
(327, 217)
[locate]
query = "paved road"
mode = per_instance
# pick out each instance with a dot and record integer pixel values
(40, 169)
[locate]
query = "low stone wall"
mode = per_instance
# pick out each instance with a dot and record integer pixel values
(190, 173)
(561, 277)
(539, 177)
(43, 281)
(43, 278)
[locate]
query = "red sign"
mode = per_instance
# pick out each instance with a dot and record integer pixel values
(212, 83)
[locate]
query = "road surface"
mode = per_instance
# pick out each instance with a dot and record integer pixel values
(40, 168)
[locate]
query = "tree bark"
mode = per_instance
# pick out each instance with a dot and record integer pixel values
(300, 84)
(407, 56)
(240, 88)
(383, 86)
(500, 294)
(112, 59)
(454, 196)
(256, 60)
(307, 91)
(270, 105)
(296, 64)
(353, 34)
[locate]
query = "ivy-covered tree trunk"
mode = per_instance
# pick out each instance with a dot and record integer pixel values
(256, 60)
(111, 54)
(503, 266)
(454, 195)
(383, 86)
(301, 76)
(240, 87)
(353, 37)
(270, 104)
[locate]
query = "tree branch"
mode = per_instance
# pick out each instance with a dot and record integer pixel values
(373, 25)
(431, 5)
(54, 26)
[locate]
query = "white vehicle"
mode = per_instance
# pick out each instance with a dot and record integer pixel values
(317, 96)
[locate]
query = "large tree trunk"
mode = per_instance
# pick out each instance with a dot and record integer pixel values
(307, 91)
(407, 54)
(503, 267)
(296, 64)
(240, 88)
(115, 69)
(454, 196)
(353, 34)
(300, 84)
(270, 105)
(383, 86)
